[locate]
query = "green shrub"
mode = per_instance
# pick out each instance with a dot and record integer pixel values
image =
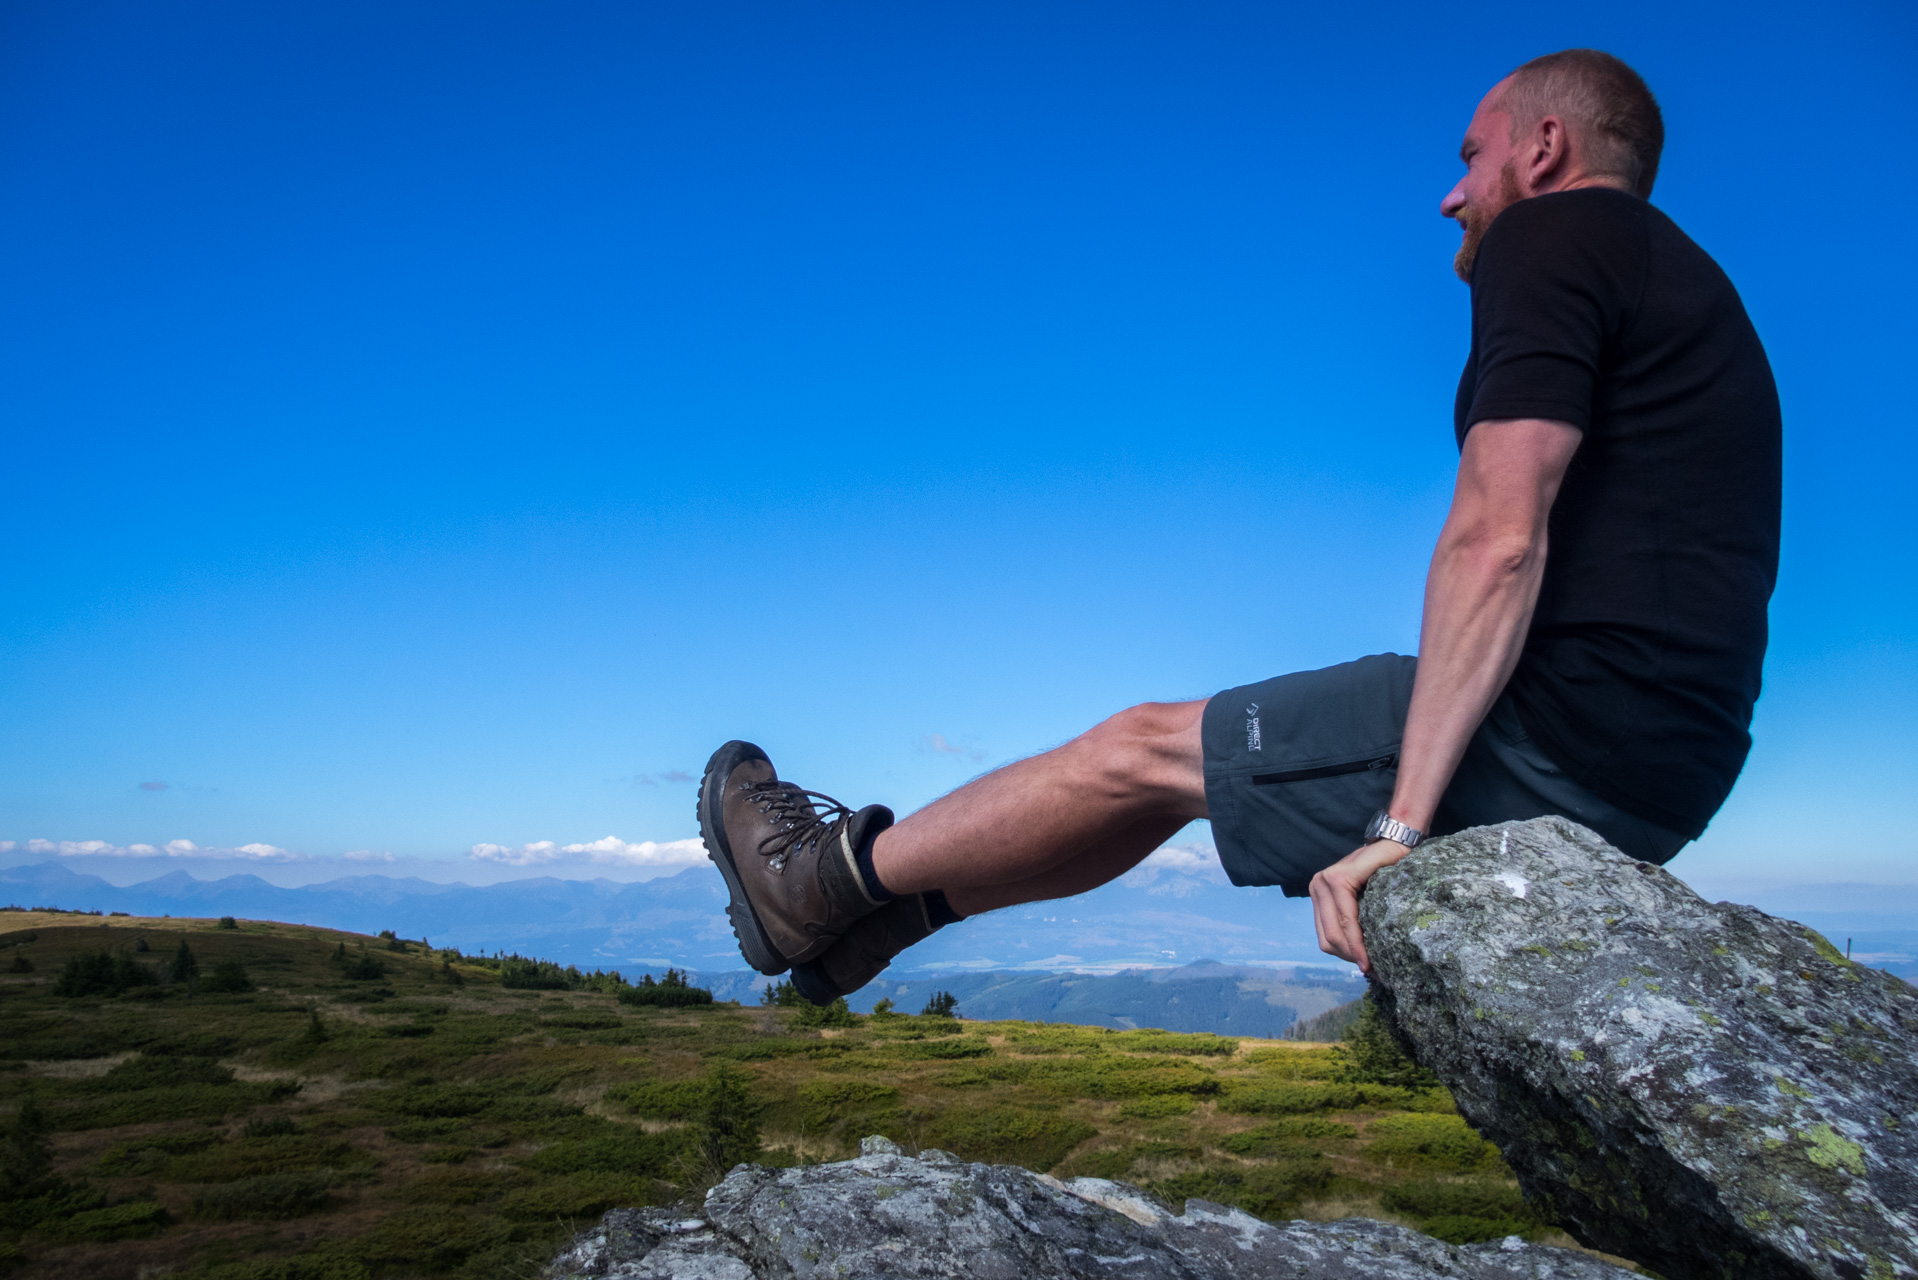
(273, 1195)
(783, 995)
(26, 1157)
(1261, 1098)
(186, 966)
(662, 1099)
(20, 963)
(1202, 1043)
(270, 1127)
(940, 1050)
(672, 991)
(335, 1260)
(1271, 1137)
(102, 973)
(227, 922)
(1008, 1135)
(1440, 1142)
(1371, 1054)
(1463, 1212)
(229, 977)
(610, 1148)
(1118, 1077)
(1158, 1107)
(1281, 1137)
(728, 1130)
(1119, 1162)
(836, 1014)
(365, 968)
(1267, 1190)
(128, 1221)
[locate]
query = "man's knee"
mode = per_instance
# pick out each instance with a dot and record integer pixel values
(1142, 745)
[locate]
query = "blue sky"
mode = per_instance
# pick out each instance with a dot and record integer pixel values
(440, 425)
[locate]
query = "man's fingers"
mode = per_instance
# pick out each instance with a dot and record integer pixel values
(1353, 941)
(1321, 908)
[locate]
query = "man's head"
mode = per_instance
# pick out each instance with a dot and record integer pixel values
(1580, 118)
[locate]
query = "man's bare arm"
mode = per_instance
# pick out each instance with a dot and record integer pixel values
(1479, 597)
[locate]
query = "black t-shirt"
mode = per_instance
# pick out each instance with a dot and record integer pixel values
(1643, 661)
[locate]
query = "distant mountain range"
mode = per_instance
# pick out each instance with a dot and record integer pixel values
(1156, 918)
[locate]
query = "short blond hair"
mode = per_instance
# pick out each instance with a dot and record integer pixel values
(1604, 101)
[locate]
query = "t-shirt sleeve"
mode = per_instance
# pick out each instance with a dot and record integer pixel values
(1550, 289)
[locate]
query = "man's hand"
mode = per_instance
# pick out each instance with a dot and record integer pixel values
(1335, 899)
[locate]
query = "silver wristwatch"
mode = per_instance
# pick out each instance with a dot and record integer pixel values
(1384, 826)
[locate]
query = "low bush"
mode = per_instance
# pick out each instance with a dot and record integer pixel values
(1259, 1097)
(836, 1014)
(662, 1100)
(128, 1221)
(1270, 1191)
(1371, 1054)
(102, 973)
(1119, 1162)
(1439, 1142)
(672, 991)
(365, 968)
(1158, 1107)
(273, 1195)
(1202, 1044)
(1008, 1135)
(229, 977)
(1461, 1212)
(227, 922)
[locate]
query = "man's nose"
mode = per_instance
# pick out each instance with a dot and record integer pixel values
(1454, 201)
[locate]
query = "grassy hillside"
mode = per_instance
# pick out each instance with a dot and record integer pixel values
(372, 1109)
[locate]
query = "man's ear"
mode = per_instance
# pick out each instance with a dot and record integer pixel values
(1547, 154)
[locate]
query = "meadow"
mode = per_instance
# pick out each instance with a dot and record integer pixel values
(246, 1100)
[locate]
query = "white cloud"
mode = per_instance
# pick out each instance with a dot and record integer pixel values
(653, 854)
(171, 849)
(938, 744)
(1177, 869)
(366, 855)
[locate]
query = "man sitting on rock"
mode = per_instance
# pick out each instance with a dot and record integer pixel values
(1616, 411)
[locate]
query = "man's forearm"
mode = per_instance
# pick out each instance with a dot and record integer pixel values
(1479, 598)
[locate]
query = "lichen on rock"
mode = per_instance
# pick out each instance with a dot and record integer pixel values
(890, 1216)
(1700, 1087)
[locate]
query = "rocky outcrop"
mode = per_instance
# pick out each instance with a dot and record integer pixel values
(888, 1215)
(1700, 1087)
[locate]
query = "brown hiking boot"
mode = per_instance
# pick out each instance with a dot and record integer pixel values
(790, 858)
(865, 950)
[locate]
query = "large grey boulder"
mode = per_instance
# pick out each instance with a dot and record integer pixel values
(890, 1216)
(1699, 1087)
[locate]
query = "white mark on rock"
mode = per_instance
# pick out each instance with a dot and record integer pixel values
(1512, 880)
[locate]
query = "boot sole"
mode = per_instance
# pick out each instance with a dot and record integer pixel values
(754, 945)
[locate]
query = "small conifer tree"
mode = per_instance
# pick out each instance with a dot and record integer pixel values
(186, 966)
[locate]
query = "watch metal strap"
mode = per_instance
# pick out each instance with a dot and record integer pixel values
(1385, 827)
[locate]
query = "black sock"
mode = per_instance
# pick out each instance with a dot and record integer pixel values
(865, 828)
(939, 911)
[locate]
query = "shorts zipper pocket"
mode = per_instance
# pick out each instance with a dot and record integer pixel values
(1327, 770)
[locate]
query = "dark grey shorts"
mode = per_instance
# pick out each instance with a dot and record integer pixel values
(1297, 765)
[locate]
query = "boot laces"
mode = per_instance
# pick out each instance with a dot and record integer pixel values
(800, 818)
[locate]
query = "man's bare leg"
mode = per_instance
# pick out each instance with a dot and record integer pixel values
(1059, 823)
(1082, 874)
